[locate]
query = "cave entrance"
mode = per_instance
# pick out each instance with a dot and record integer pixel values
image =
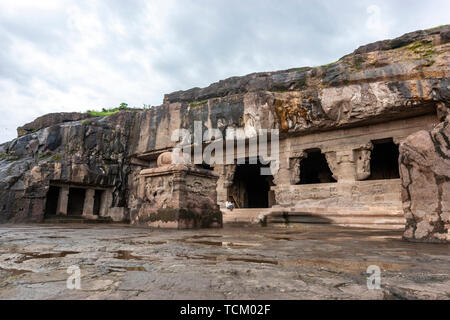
(314, 168)
(384, 160)
(250, 189)
(76, 201)
(51, 203)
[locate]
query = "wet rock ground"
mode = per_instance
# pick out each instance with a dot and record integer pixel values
(301, 262)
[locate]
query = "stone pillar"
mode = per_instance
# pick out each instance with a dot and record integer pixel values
(63, 201)
(346, 163)
(88, 208)
(105, 203)
(362, 158)
(332, 163)
(225, 181)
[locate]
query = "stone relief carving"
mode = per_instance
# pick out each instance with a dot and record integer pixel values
(199, 187)
(294, 166)
(158, 190)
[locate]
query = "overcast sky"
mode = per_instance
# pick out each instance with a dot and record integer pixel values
(74, 55)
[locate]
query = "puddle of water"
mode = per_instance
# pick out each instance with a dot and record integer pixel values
(226, 244)
(16, 272)
(33, 255)
(124, 269)
(204, 236)
(126, 255)
(280, 238)
(138, 243)
(231, 259)
(208, 243)
(157, 242)
(53, 237)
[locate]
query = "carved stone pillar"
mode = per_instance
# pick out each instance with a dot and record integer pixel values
(332, 164)
(63, 201)
(346, 166)
(362, 158)
(294, 167)
(88, 208)
(225, 181)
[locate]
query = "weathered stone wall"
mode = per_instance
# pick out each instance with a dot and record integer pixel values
(425, 172)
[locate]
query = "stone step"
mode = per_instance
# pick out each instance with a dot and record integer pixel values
(367, 217)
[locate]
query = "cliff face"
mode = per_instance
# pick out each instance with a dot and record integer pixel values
(386, 80)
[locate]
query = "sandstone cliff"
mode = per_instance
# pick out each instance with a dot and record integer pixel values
(386, 80)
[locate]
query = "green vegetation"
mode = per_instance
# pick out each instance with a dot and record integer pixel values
(9, 157)
(107, 112)
(424, 49)
(442, 25)
(358, 61)
(278, 90)
(57, 157)
(329, 64)
(198, 103)
(326, 65)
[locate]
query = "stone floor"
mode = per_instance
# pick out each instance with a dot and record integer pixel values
(302, 262)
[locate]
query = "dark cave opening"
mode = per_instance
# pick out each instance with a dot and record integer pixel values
(314, 168)
(250, 189)
(76, 201)
(384, 160)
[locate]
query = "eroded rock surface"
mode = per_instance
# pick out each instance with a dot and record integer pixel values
(425, 173)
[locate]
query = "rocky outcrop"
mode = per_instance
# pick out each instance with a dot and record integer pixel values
(49, 120)
(90, 152)
(425, 173)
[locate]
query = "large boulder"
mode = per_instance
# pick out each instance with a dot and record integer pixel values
(425, 174)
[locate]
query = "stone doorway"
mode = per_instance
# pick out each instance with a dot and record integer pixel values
(76, 201)
(250, 189)
(51, 204)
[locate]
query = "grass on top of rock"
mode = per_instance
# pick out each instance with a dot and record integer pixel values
(437, 27)
(107, 112)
